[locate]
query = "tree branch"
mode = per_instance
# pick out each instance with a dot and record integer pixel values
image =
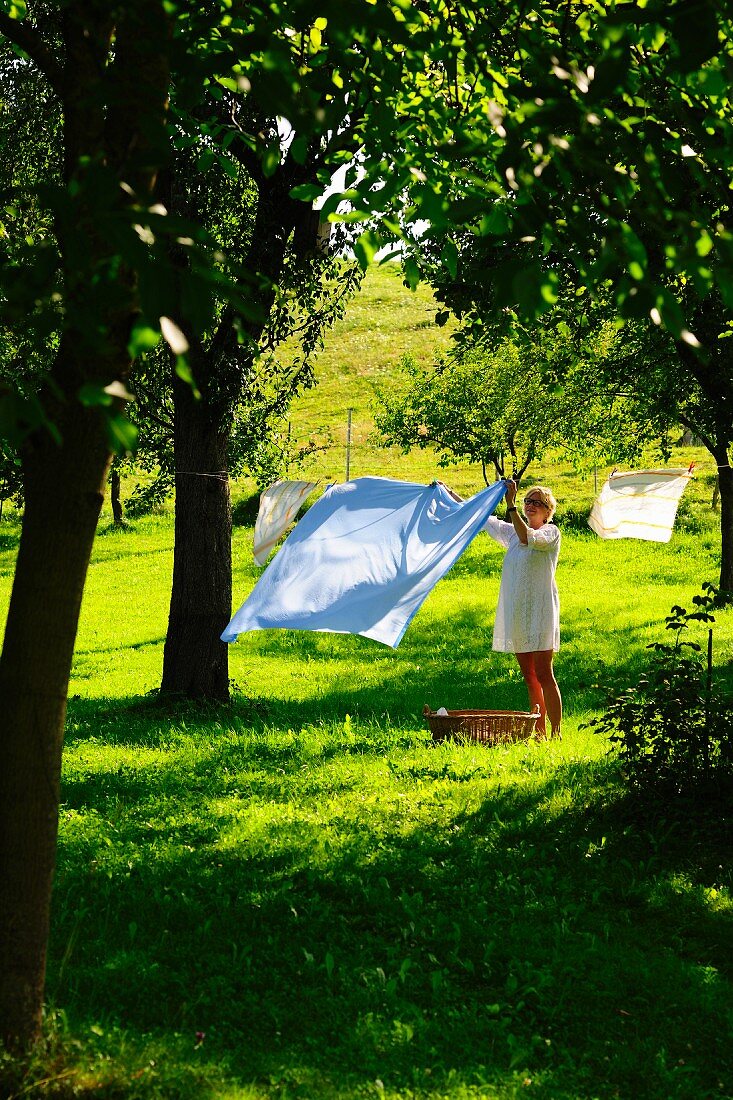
(30, 42)
(699, 432)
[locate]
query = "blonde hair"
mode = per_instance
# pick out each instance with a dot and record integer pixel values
(546, 497)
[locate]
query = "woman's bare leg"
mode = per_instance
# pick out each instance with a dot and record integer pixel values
(526, 662)
(550, 690)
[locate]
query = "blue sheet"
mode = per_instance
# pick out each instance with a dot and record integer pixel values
(363, 559)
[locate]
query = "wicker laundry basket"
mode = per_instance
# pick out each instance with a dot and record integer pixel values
(489, 727)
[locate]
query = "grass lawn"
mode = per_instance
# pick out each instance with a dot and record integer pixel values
(301, 896)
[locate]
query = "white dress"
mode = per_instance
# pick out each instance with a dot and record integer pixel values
(528, 612)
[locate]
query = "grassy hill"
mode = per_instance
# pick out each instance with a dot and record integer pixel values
(385, 322)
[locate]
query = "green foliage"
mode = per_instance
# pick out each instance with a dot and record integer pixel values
(270, 452)
(490, 125)
(149, 496)
(672, 730)
(506, 406)
(642, 359)
(513, 139)
(591, 154)
(312, 296)
(11, 479)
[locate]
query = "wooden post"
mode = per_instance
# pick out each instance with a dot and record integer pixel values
(348, 445)
(708, 694)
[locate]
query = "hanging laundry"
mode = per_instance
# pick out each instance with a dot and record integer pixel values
(363, 559)
(640, 504)
(279, 506)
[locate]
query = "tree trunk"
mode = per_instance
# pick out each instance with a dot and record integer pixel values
(118, 515)
(195, 660)
(64, 488)
(113, 106)
(725, 480)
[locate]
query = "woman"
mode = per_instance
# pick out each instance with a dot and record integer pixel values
(528, 614)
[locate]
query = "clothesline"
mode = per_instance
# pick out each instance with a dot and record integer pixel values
(367, 553)
(363, 559)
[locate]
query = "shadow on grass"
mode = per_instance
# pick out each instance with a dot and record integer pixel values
(328, 926)
(339, 675)
(9, 540)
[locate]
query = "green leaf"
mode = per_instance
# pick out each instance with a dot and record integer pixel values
(449, 256)
(411, 272)
(696, 33)
(610, 74)
(635, 251)
(93, 393)
(306, 192)
(635, 302)
(270, 159)
(299, 148)
(724, 281)
(365, 248)
(534, 289)
(334, 200)
(496, 223)
(142, 338)
(206, 160)
(184, 373)
(669, 310)
(122, 434)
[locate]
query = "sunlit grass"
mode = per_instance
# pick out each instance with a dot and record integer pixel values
(301, 895)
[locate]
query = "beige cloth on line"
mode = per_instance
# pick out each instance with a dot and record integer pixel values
(279, 506)
(640, 504)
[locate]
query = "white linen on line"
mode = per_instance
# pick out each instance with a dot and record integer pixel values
(279, 506)
(640, 504)
(363, 559)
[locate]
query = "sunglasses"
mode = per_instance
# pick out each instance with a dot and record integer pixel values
(535, 501)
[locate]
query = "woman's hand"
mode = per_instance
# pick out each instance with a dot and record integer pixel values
(456, 497)
(512, 514)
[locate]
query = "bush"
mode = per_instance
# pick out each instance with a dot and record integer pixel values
(672, 730)
(149, 498)
(574, 519)
(244, 512)
(690, 516)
